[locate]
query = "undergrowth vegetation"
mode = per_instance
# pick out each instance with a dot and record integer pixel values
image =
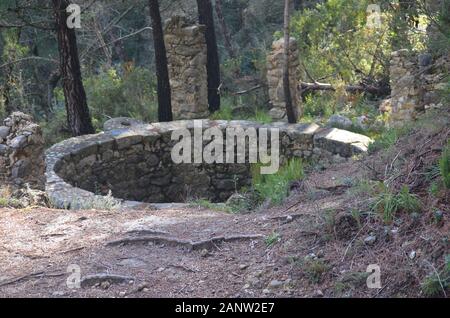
(275, 187)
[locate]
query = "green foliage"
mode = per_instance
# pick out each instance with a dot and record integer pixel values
(388, 204)
(390, 136)
(439, 43)
(334, 39)
(321, 105)
(203, 203)
(112, 94)
(272, 239)
(437, 283)
(444, 165)
(6, 199)
(55, 130)
(225, 112)
(387, 139)
(275, 187)
(314, 269)
(261, 117)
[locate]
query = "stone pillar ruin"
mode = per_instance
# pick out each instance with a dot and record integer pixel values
(415, 83)
(275, 79)
(405, 101)
(22, 151)
(186, 55)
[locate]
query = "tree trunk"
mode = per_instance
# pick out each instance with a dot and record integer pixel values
(205, 14)
(224, 29)
(162, 71)
(78, 117)
(292, 119)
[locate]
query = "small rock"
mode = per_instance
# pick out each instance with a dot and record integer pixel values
(105, 285)
(58, 294)
(275, 284)
(243, 266)
(266, 291)
(161, 269)
(3, 149)
(204, 253)
(370, 240)
(142, 286)
(412, 255)
(339, 121)
(318, 294)
(122, 294)
(4, 132)
(18, 142)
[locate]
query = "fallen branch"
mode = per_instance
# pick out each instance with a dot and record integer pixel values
(30, 276)
(360, 88)
(254, 88)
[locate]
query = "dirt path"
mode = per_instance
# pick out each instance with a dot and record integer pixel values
(163, 256)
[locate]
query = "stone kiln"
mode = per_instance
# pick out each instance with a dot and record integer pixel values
(133, 161)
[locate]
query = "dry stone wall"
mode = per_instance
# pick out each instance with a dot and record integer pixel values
(415, 82)
(21, 151)
(133, 161)
(275, 62)
(186, 55)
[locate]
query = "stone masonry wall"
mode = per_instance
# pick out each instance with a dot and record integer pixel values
(415, 81)
(21, 151)
(275, 78)
(186, 54)
(133, 161)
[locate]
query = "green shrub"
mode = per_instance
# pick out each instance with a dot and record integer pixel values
(272, 239)
(113, 94)
(56, 130)
(444, 166)
(203, 203)
(388, 204)
(387, 139)
(319, 105)
(225, 113)
(314, 270)
(436, 283)
(275, 187)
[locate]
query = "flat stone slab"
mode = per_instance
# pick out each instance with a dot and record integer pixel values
(342, 142)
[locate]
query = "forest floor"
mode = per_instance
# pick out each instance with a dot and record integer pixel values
(286, 251)
(319, 243)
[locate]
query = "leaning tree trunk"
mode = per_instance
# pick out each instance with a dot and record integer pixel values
(224, 29)
(286, 85)
(162, 71)
(78, 117)
(205, 14)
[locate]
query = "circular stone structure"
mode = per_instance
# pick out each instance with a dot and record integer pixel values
(130, 162)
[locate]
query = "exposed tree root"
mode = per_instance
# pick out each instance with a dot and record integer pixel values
(192, 246)
(92, 280)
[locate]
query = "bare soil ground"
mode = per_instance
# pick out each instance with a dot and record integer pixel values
(290, 251)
